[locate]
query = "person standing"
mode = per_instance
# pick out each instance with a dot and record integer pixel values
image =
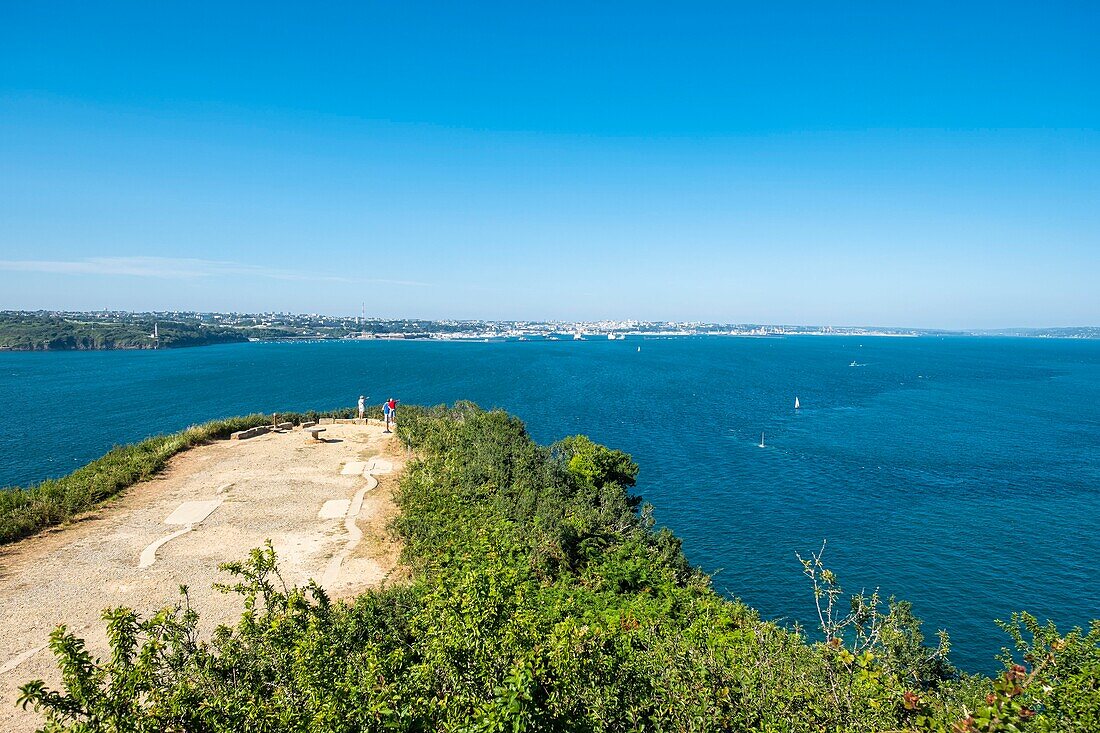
(362, 407)
(390, 409)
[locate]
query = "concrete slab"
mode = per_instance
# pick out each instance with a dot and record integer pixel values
(380, 465)
(20, 658)
(332, 571)
(149, 554)
(193, 512)
(353, 468)
(334, 508)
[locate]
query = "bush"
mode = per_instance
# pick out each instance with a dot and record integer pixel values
(543, 599)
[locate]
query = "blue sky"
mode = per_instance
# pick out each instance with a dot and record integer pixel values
(924, 164)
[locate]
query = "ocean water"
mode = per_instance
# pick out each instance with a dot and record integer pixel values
(960, 474)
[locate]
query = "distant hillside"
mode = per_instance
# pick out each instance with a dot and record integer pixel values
(69, 330)
(45, 332)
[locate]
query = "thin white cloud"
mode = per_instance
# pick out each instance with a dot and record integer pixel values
(178, 269)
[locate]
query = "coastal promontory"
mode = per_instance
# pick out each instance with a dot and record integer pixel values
(270, 573)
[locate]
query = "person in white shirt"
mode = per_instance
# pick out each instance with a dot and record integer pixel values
(362, 407)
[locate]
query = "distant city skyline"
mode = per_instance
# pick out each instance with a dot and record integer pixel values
(26, 330)
(918, 167)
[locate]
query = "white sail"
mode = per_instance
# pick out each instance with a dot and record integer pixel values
(761, 440)
(796, 405)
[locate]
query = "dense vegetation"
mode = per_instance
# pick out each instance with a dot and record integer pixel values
(24, 511)
(49, 331)
(543, 599)
(44, 332)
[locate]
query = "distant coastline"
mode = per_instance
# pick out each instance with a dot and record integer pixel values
(115, 330)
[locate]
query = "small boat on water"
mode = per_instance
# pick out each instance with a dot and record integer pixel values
(761, 441)
(639, 348)
(796, 405)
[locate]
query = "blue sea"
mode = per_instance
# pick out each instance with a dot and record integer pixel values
(960, 474)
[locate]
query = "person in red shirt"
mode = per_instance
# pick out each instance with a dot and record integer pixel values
(390, 408)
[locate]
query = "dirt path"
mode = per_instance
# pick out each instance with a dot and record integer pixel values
(220, 501)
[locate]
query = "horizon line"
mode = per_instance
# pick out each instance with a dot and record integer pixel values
(551, 321)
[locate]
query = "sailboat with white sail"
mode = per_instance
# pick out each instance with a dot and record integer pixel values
(796, 405)
(761, 441)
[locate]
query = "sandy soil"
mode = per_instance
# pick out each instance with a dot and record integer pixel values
(269, 487)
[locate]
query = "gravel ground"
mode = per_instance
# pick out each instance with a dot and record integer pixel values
(270, 487)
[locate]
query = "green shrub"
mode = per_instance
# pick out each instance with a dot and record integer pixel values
(543, 599)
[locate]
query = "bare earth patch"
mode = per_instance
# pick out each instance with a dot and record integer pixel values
(223, 499)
